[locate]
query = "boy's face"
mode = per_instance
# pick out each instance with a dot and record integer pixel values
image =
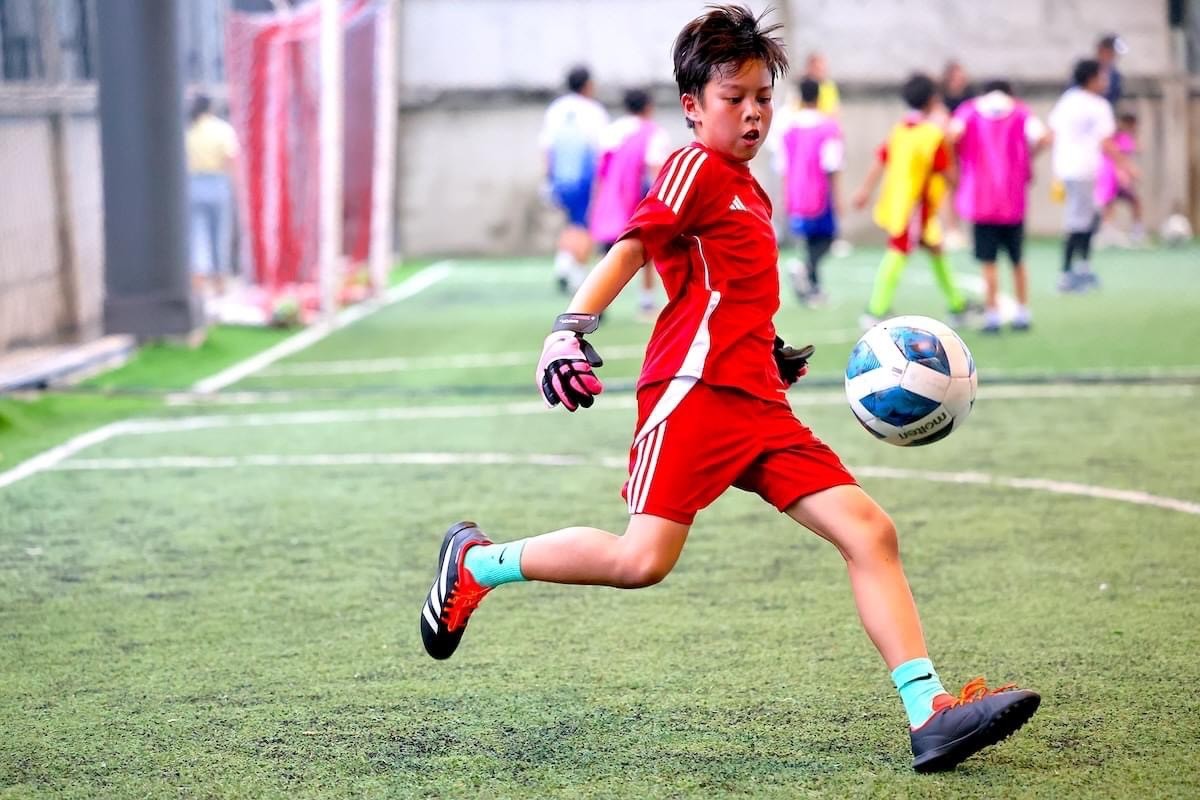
(733, 114)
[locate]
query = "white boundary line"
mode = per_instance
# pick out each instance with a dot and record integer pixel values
(48, 459)
(311, 335)
(549, 459)
(1031, 391)
(149, 425)
(51, 457)
(472, 360)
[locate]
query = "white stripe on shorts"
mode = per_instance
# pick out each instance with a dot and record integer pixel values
(649, 477)
(643, 468)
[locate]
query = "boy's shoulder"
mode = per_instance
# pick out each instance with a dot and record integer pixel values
(693, 171)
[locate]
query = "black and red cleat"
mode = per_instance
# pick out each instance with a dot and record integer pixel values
(454, 594)
(962, 726)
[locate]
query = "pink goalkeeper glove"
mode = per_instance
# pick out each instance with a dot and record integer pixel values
(564, 371)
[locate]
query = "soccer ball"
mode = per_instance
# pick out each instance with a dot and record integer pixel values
(1175, 231)
(911, 381)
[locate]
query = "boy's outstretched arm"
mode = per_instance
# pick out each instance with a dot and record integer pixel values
(872, 180)
(564, 372)
(608, 278)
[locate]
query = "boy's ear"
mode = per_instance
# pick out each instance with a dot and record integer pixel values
(691, 107)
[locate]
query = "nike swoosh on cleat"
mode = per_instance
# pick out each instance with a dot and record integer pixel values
(500, 560)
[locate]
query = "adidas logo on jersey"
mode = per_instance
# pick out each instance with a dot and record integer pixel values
(737, 204)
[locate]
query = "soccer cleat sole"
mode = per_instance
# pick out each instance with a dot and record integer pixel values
(999, 728)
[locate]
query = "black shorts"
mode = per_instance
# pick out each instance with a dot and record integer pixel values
(991, 238)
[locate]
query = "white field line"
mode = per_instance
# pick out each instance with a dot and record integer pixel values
(799, 397)
(422, 280)
(474, 360)
(144, 426)
(311, 335)
(558, 460)
(55, 455)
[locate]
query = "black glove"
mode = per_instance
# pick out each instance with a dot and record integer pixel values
(791, 361)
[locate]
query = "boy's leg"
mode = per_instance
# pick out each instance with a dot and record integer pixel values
(1081, 220)
(1016, 254)
(886, 281)
(818, 248)
(986, 250)
(864, 534)
(991, 282)
(647, 302)
(945, 280)
(944, 731)
(469, 566)
(796, 265)
(589, 556)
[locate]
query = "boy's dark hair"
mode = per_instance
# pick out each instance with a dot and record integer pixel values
(201, 105)
(1085, 70)
(919, 90)
(578, 78)
(636, 101)
(719, 43)
(810, 90)
(998, 85)
(1128, 117)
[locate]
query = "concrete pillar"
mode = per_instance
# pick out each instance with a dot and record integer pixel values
(146, 270)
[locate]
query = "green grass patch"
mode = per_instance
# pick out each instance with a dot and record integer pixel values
(172, 366)
(251, 632)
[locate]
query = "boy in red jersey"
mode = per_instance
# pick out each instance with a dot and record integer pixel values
(712, 409)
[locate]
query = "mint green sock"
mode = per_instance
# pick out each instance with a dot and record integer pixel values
(886, 280)
(918, 683)
(945, 281)
(494, 564)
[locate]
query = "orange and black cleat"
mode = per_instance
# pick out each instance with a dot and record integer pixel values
(454, 594)
(962, 726)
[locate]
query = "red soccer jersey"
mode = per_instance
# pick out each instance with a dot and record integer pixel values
(707, 224)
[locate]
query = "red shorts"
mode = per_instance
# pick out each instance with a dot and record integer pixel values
(715, 438)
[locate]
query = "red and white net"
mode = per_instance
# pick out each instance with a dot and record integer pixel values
(273, 73)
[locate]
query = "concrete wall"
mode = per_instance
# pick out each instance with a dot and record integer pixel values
(51, 224)
(529, 44)
(484, 199)
(469, 168)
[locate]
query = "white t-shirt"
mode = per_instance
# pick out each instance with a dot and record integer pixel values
(1080, 120)
(211, 145)
(570, 136)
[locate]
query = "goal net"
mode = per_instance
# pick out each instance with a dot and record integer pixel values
(274, 77)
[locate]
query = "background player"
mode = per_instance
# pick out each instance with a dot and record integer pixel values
(996, 138)
(632, 151)
(915, 165)
(569, 140)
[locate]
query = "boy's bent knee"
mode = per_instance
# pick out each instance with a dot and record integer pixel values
(878, 536)
(638, 573)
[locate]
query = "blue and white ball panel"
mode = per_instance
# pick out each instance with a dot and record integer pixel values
(958, 358)
(862, 359)
(921, 347)
(898, 407)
